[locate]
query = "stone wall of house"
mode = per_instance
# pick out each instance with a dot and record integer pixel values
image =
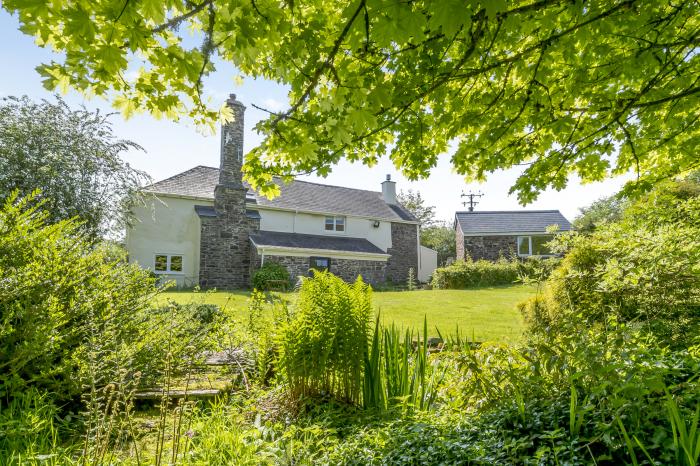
(348, 269)
(459, 240)
(372, 272)
(295, 265)
(490, 247)
(404, 252)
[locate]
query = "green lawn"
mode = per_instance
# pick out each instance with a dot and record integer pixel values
(481, 314)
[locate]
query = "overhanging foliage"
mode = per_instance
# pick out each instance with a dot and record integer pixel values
(554, 86)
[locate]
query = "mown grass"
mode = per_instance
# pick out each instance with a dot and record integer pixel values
(484, 314)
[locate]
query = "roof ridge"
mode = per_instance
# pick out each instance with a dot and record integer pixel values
(335, 186)
(177, 175)
(506, 211)
(277, 178)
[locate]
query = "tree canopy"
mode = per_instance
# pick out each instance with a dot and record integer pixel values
(72, 157)
(414, 202)
(604, 210)
(440, 236)
(557, 87)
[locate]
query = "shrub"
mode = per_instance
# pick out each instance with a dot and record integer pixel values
(644, 269)
(534, 269)
(56, 290)
(324, 345)
(557, 400)
(269, 271)
(472, 274)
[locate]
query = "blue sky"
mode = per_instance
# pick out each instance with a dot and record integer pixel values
(174, 147)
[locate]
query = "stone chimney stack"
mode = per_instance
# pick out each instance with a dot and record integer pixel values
(389, 191)
(230, 174)
(224, 251)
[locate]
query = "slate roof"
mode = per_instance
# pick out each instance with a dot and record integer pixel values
(302, 241)
(513, 221)
(304, 196)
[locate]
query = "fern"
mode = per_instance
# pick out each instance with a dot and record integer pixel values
(324, 346)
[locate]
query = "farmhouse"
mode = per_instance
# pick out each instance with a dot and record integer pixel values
(493, 234)
(208, 227)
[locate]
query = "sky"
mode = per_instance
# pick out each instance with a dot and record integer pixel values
(170, 148)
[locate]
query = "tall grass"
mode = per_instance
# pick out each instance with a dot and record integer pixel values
(686, 434)
(398, 370)
(29, 430)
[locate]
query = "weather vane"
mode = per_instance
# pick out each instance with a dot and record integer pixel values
(472, 202)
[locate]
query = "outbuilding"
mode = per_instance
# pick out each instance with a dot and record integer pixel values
(493, 234)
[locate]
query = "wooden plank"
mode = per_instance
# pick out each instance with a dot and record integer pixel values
(196, 393)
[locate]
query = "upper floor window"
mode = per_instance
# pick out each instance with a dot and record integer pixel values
(335, 223)
(168, 263)
(535, 245)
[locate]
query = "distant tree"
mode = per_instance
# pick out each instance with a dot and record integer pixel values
(441, 238)
(414, 202)
(604, 210)
(72, 157)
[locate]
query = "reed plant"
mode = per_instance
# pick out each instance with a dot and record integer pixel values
(398, 370)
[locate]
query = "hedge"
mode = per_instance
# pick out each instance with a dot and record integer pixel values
(474, 274)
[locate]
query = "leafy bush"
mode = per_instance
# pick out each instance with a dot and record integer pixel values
(324, 345)
(472, 274)
(269, 271)
(643, 269)
(557, 400)
(56, 290)
(534, 269)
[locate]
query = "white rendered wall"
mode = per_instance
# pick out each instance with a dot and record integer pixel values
(167, 226)
(292, 222)
(428, 263)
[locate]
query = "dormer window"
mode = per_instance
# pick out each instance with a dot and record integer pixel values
(335, 223)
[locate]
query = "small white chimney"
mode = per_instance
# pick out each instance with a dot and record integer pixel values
(389, 190)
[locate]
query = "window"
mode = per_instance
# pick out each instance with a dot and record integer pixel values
(539, 245)
(535, 245)
(523, 245)
(320, 263)
(335, 223)
(168, 263)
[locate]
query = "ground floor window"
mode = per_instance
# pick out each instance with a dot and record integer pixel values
(534, 245)
(320, 263)
(168, 263)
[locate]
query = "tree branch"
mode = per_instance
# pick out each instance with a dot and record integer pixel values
(175, 22)
(319, 71)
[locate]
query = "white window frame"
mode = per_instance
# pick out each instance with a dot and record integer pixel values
(529, 246)
(335, 223)
(169, 257)
(313, 259)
